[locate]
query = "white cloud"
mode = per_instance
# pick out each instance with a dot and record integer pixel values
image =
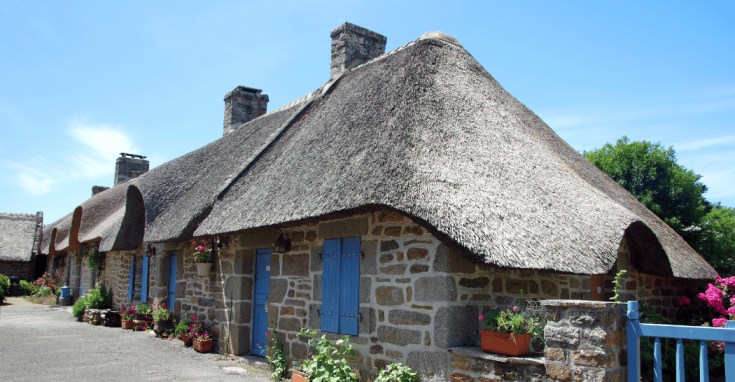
(704, 143)
(91, 152)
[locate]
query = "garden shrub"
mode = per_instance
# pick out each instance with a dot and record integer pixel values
(396, 372)
(99, 298)
(4, 287)
(27, 288)
(79, 307)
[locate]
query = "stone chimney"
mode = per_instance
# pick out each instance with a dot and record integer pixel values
(353, 45)
(129, 166)
(243, 105)
(97, 189)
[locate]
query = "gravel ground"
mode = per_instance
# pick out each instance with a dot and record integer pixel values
(16, 301)
(39, 343)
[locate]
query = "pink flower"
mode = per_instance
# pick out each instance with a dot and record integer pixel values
(683, 300)
(718, 322)
(200, 249)
(266, 333)
(701, 296)
(515, 308)
(732, 301)
(163, 305)
(731, 311)
(194, 317)
(481, 316)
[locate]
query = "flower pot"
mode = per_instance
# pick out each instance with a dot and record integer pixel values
(203, 346)
(299, 376)
(162, 326)
(143, 317)
(502, 343)
(127, 324)
(204, 268)
(187, 338)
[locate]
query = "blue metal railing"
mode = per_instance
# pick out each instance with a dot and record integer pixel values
(696, 333)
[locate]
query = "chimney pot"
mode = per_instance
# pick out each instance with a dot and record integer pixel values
(129, 166)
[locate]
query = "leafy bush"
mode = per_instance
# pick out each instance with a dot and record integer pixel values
(4, 287)
(276, 357)
(143, 309)
(396, 372)
(329, 363)
(79, 307)
(160, 313)
(99, 298)
(27, 288)
(44, 291)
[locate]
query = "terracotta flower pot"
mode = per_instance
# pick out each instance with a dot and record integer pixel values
(298, 376)
(204, 268)
(203, 346)
(502, 343)
(187, 338)
(127, 324)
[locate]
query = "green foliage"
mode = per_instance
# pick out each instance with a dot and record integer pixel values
(396, 372)
(160, 313)
(4, 287)
(616, 285)
(649, 171)
(99, 298)
(716, 239)
(79, 307)
(143, 309)
(276, 357)
(27, 288)
(329, 363)
(44, 291)
(96, 259)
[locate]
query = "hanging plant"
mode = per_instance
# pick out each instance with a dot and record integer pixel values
(96, 259)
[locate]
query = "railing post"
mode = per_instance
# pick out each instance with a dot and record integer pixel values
(680, 360)
(730, 356)
(703, 362)
(657, 361)
(634, 343)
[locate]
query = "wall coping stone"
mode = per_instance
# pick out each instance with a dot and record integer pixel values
(580, 304)
(476, 352)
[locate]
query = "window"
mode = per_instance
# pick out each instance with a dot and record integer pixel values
(341, 286)
(143, 280)
(131, 282)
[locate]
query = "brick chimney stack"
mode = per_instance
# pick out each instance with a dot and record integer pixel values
(243, 105)
(129, 166)
(353, 45)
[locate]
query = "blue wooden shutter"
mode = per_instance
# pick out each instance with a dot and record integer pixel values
(330, 286)
(172, 282)
(131, 283)
(144, 280)
(349, 305)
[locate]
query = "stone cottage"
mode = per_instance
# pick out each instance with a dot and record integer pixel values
(20, 236)
(393, 204)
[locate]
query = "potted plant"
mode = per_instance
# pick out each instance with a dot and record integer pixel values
(202, 252)
(126, 317)
(507, 331)
(182, 330)
(143, 312)
(396, 372)
(162, 318)
(202, 342)
(328, 363)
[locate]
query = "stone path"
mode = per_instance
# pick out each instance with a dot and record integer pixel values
(39, 343)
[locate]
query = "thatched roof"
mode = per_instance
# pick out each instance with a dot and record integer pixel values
(427, 131)
(19, 235)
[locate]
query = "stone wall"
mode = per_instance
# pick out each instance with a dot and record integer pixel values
(584, 342)
(23, 269)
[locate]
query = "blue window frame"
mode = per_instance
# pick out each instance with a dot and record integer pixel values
(340, 311)
(144, 279)
(131, 281)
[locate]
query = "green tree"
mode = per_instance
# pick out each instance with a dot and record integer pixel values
(716, 239)
(649, 171)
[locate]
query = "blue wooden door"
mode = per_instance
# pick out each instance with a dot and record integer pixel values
(172, 282)
(260, 316)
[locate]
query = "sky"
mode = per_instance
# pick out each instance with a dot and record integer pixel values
(82, 81)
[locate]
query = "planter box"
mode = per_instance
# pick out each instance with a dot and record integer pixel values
(298, 376)
(187, 338)
(204, 268)
(127, 324)
(141, 325)
(203, 346)
(143, 317)
(502, 343)
(162, 326)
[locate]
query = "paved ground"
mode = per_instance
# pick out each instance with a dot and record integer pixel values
(39, 343)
